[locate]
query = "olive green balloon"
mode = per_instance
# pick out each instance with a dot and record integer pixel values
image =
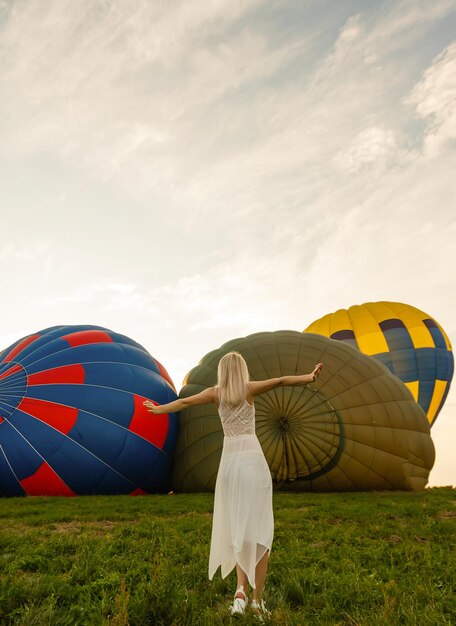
(357, 427)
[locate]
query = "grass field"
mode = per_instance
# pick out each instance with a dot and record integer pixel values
(351, 558)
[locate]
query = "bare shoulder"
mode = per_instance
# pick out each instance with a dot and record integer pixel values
(250, 394)
(211, 394)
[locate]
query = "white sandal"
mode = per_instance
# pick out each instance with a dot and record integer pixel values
(239, 604)
(262, 610)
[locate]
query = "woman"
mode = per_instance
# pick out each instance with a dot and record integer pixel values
(243, 523)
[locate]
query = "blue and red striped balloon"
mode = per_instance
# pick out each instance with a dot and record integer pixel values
(72, 419)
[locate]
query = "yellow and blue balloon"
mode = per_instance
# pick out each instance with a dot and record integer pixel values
(411, 343)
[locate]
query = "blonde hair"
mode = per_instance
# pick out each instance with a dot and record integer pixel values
(232, 378)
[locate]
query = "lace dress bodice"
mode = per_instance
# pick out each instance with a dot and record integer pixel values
(237, 421)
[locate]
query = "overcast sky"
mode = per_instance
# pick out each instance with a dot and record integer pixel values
(192, 171)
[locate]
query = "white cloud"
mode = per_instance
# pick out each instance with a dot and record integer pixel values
(176, 106)
(113, 86)
(372, 147)
(434, 98)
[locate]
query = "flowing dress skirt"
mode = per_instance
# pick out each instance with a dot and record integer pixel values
(243, 521)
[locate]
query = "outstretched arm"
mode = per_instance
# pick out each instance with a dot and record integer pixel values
(205, 397)
(261, 386)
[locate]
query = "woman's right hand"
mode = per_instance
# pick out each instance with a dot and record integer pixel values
(316, 372)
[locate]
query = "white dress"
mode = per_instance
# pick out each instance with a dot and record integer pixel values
(243, 521)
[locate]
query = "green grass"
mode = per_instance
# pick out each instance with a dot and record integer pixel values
(352, 558)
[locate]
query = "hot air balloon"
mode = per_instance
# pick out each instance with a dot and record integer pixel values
(411, 344)
(356, 428)
(72, 419)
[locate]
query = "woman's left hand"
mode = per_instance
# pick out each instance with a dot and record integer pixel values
(151, 407)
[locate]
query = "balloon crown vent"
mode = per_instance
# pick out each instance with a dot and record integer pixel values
(13, 385)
